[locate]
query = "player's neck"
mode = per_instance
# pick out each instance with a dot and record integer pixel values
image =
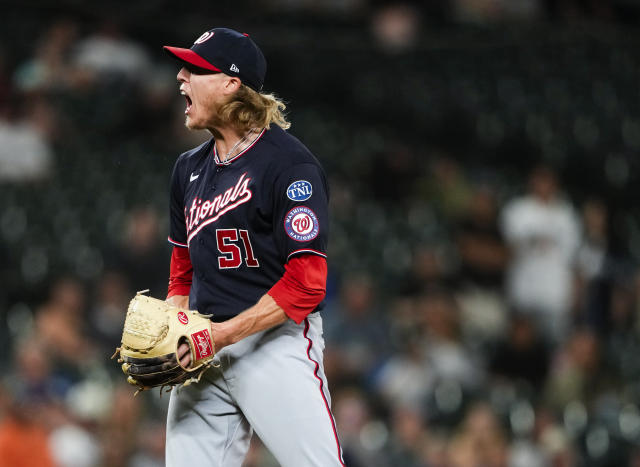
(229, 142)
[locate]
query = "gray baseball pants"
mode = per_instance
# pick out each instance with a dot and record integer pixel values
(272, 382)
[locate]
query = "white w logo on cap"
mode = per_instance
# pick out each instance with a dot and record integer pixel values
(205, 37)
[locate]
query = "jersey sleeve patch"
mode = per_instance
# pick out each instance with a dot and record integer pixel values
(301, 224)
(300, 190)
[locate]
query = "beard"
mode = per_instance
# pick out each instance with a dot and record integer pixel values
(207, 116)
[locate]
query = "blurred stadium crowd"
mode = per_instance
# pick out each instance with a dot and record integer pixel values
(484, 290)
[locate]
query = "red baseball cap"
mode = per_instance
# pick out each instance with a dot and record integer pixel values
(224, 50)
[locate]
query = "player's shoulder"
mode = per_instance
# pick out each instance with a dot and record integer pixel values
(188, 162)
(285, 150)
(194, 155)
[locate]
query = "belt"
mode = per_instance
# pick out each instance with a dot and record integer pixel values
(223, 318)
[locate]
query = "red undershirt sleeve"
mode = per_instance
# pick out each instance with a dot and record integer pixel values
(180, 272)
(302, 287)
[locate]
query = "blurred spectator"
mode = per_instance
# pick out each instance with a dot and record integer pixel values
(150, 449)
(483, 257)
(592, 252)
(157, 110)
(43, 117)
(432, 354)
(23, 440)
(144, 254)
(60, 324)
(409, 435)
(595, 267)
(403, 327)
(32, 378)
(73, 446)
(543, 233)
(524, 453)
(25, 152)
(109, 54)
(434, 449)
(361, 437)
(577, 372)
(622, 343)
(479, 441)
(109, 308)
(119, 437)
(553, 441)
(482, 250)
(396, 27)
(405, 379)
(31, 389)
(431, 266)
(447, 188)
(357, 333)
(523, 355)
(50, 379)
(547, 445)
(445, 353)
(50, 68)
(44, 413)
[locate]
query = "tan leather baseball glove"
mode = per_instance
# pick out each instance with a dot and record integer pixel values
(153, 330)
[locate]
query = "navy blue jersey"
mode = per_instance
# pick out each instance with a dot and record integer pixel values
(243, 219)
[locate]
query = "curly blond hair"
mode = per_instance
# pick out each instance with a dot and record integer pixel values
(248, 109)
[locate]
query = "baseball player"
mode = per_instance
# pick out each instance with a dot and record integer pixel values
(249, 225)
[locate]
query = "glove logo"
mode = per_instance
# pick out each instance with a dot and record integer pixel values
(202, 342)
(150, 337)
(301, 224)
(300, 190)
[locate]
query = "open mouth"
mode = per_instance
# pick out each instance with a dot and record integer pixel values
(189, 102)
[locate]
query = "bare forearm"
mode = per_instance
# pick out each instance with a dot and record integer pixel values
(181, 301)
(263, 315)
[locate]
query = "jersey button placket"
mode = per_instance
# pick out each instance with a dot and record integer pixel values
(213, 186)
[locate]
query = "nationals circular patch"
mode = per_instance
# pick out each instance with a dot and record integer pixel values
(301, 224)
(183, 318)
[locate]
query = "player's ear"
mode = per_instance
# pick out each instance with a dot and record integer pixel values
(232, 84)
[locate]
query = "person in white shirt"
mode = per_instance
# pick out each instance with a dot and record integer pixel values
(543, 233)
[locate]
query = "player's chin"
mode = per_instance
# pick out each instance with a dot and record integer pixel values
(192, 124)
